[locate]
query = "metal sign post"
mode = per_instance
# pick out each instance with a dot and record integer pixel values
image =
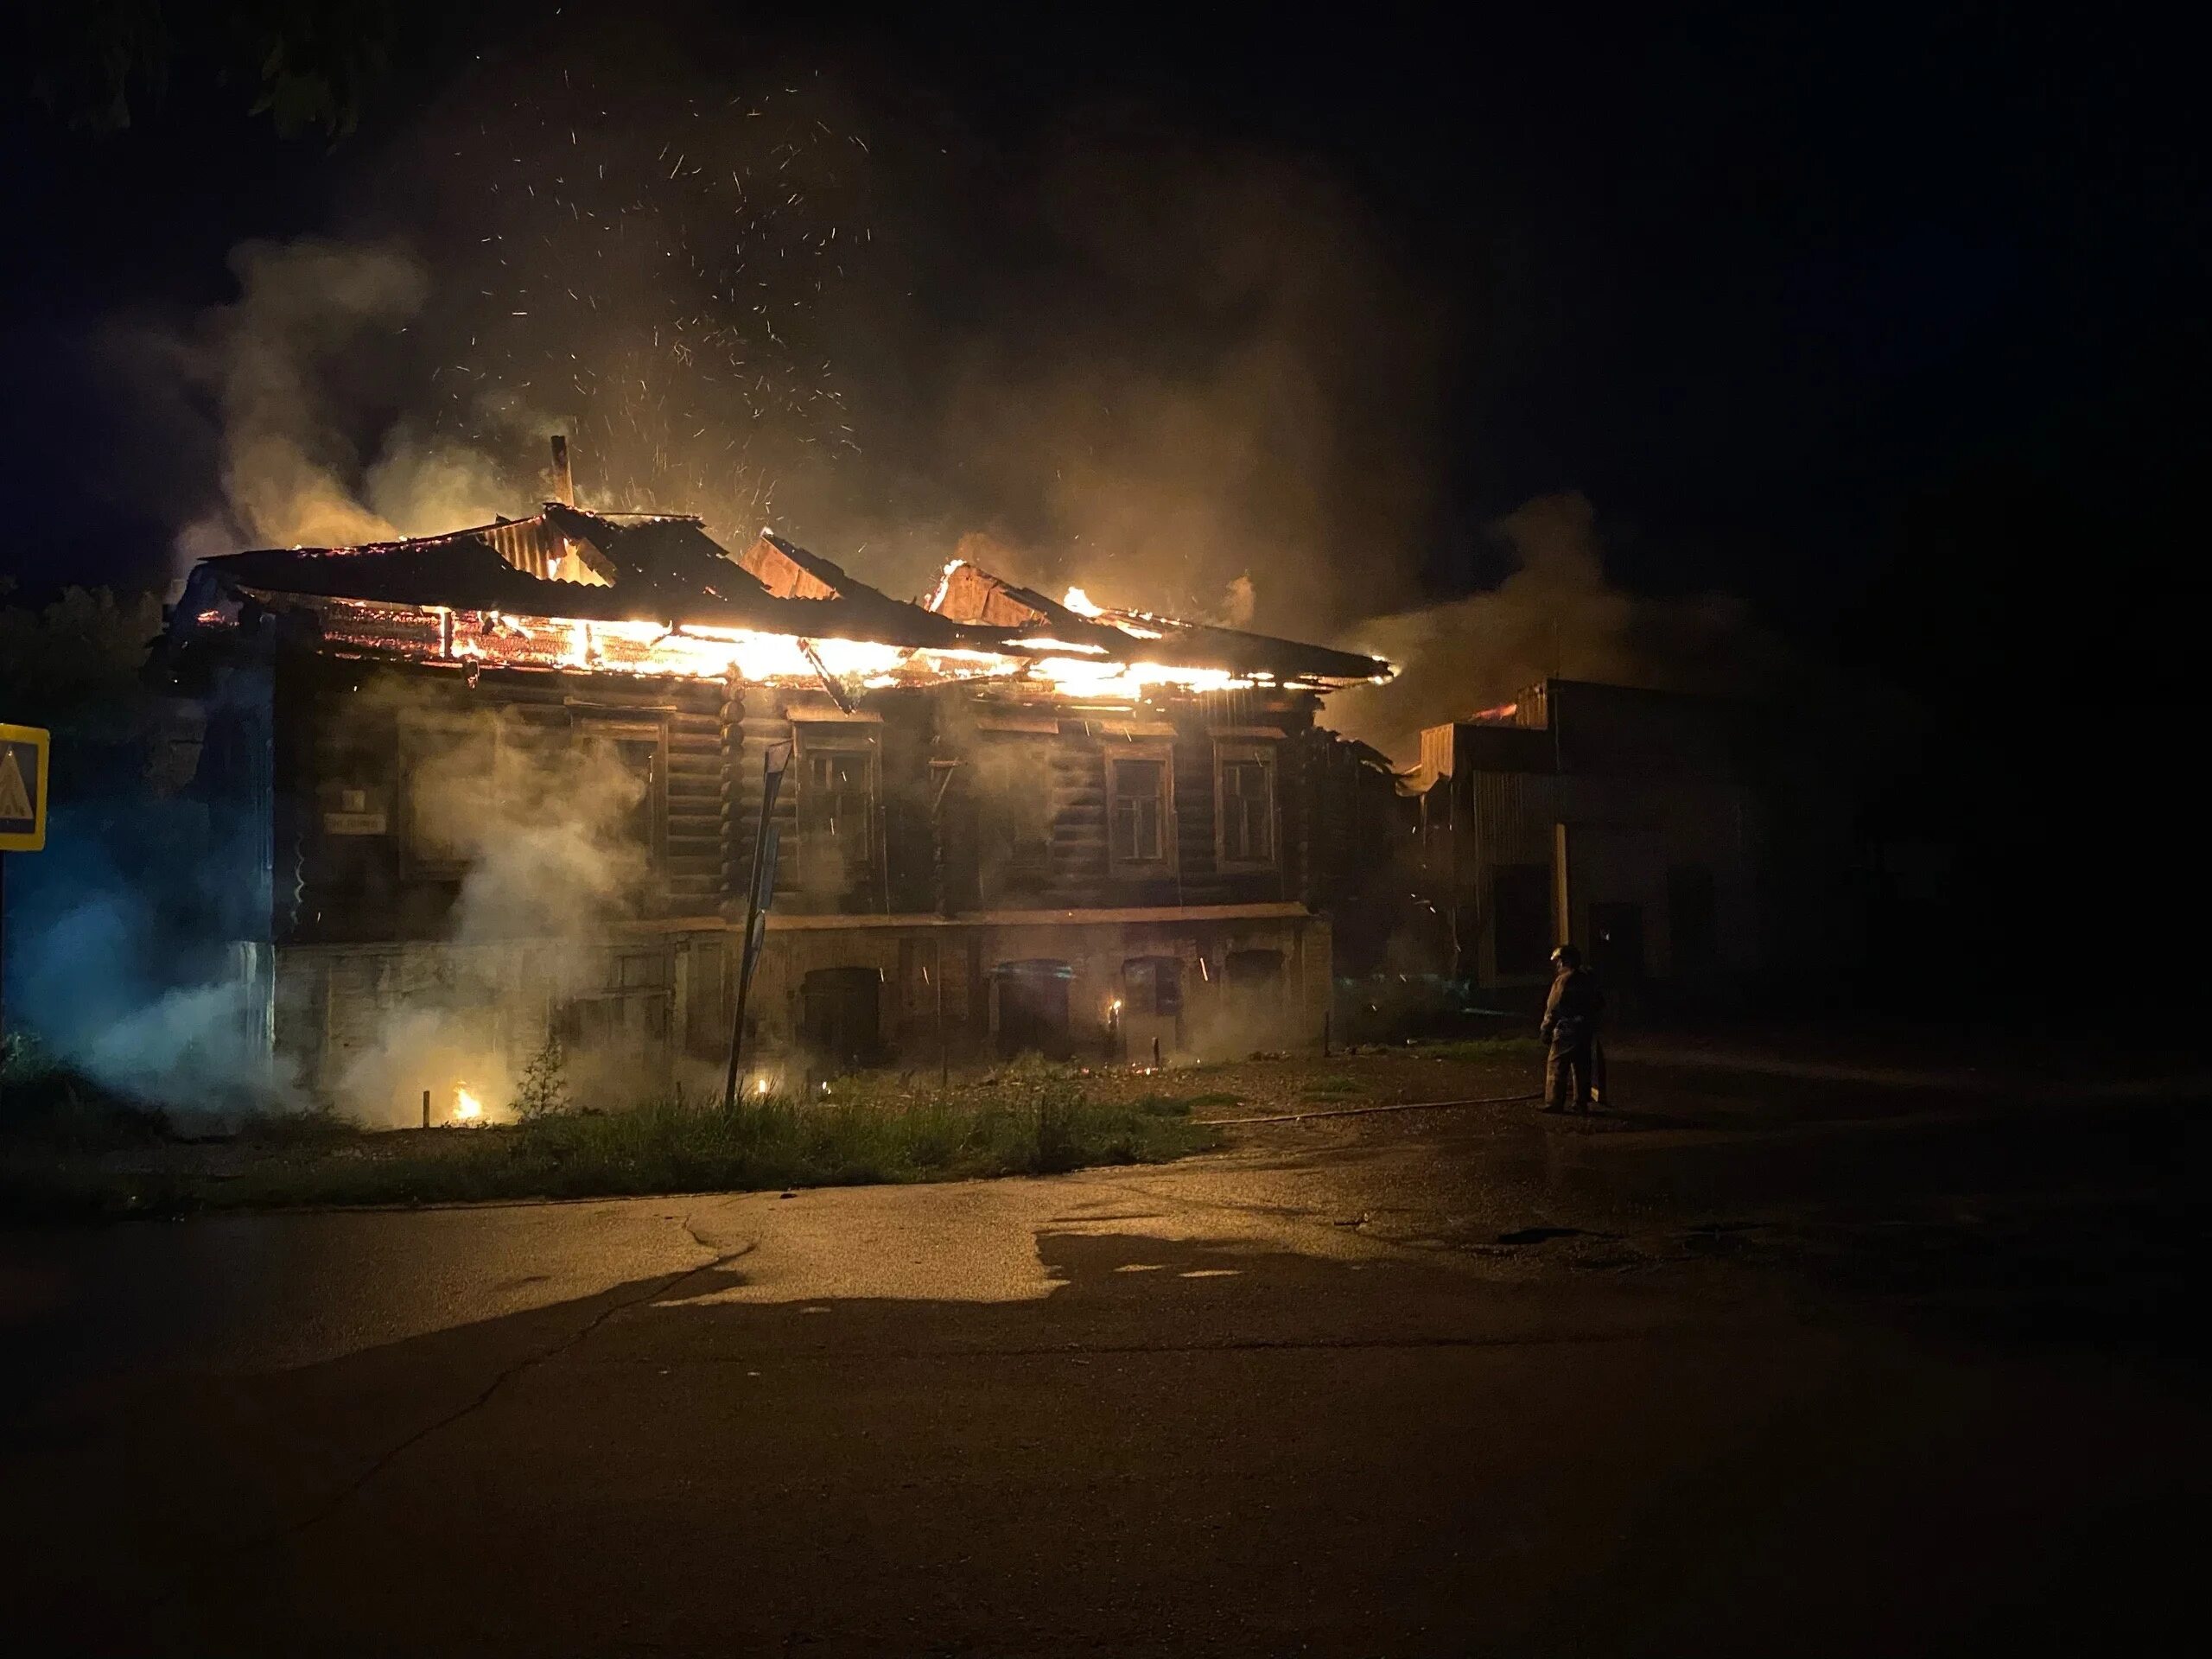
(23, 751)
(761, 897)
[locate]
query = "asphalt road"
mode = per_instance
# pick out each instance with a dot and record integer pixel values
(1766, 1364)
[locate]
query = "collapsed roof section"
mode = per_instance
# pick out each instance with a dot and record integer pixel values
(970, 594)
(653, 593)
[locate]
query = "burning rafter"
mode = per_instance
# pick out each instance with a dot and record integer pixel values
(653, 594)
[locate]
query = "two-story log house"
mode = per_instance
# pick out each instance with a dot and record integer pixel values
(510, 780)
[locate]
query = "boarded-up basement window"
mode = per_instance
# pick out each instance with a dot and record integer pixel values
(1154, 985)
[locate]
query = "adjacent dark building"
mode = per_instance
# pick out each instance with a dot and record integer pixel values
(1616, 817)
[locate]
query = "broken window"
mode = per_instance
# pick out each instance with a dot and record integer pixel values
(1137, 816)
(1244, 797)
(462, 776)
(622, 778)
(469, 781)
(836, 812)
(1013, 779)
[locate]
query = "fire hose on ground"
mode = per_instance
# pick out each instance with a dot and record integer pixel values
(1368, 1111)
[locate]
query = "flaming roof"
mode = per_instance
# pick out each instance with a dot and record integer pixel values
(663, 575)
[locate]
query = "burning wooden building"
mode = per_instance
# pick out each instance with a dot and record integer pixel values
(509, 782)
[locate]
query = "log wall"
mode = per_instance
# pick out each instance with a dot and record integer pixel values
(946, 763)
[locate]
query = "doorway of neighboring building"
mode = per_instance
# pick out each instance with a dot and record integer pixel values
(1616, 943)
(1033, 1007)
(840, 1024)
(1258, 992)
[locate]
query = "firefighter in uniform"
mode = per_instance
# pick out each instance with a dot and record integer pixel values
(1571, 1027)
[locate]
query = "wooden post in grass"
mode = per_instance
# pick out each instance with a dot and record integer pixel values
(943, 1059)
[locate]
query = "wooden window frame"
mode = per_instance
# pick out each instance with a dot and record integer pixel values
(445, 728)
(836, 737)
(502, 728)
(632, 726)
(1142, 868)
(997, 806)
(1225, 753)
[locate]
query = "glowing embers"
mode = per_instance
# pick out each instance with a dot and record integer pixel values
(497, 639)
(1082, 605)
(1132, 623)
(779, 656)
(1129, 680)
(500, 639)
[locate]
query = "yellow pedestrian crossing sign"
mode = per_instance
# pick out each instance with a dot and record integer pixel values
(22, 789)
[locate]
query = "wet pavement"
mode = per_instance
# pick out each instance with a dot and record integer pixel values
(1757, 1363)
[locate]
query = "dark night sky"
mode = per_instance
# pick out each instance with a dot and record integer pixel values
(1755, 282)
(1889, 319)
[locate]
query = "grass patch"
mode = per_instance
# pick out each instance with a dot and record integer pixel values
(1163, 1106)
(293, 1129)
(676, 1145)
(49, 1104)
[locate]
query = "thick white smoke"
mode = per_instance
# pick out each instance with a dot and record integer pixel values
(545, 823)
(288, 367)
(1557, 615)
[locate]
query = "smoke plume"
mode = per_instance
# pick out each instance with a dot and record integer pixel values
(1557, 615)
(1187, 371)
(95, 975)
(1219, 399)
(544, 827)
(300, 308)
(121, 936)
(294, 370)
